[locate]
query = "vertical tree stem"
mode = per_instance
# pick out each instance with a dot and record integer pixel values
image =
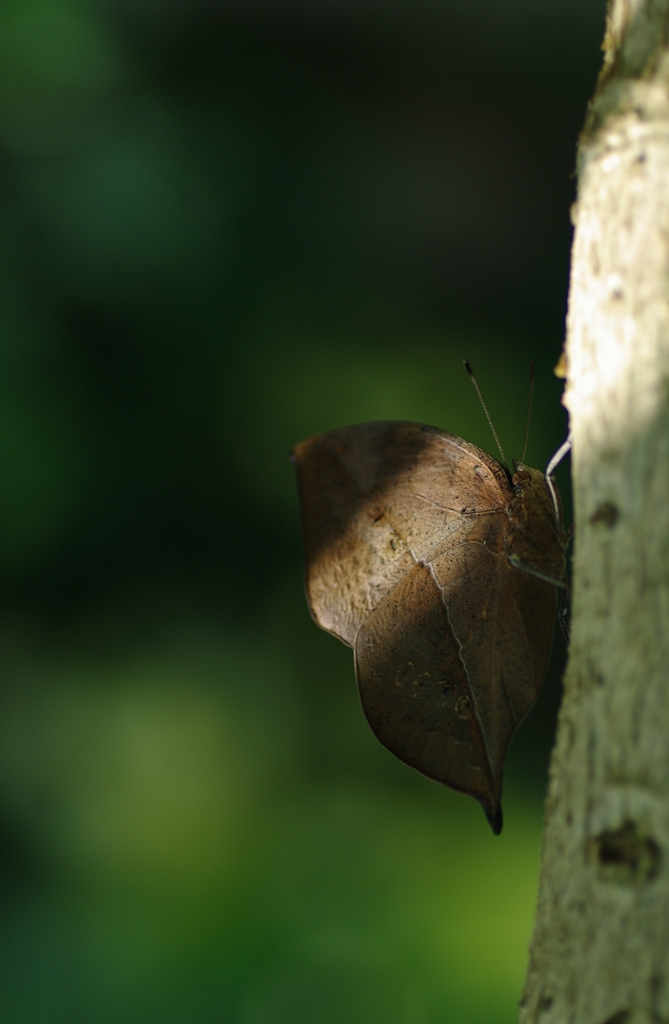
(600, 950)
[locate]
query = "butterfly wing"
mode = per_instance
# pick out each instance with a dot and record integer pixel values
(377, 498)
(404, 529)
(453, 658)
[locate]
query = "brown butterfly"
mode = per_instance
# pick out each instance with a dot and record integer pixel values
(439, 568)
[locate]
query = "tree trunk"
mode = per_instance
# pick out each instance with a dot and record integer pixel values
(600, 950)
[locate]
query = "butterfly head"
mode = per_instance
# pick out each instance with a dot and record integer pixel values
(536, 541)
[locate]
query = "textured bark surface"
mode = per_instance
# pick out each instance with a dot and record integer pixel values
(600, 950)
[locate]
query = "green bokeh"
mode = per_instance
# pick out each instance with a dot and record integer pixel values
(223, 228)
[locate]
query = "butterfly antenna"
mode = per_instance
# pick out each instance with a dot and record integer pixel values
(563, 450)
(529, 411)
(485, 409)
(550, 469)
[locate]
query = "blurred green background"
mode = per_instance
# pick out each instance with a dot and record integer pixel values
(225, 226)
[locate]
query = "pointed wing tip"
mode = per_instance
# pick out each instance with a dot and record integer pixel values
(494, 816)
(295, 453)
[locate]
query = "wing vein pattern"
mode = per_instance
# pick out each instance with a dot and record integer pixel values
(405, 530)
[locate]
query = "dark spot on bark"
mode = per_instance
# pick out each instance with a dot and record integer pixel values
(625, 856)
(617, 294)
(462, 707)
(569, 818)
(618, 1018)
(545, 1003)
(606, 514)
(609, 454)
(641, 158)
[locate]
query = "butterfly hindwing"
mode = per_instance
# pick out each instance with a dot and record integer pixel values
(415, 689)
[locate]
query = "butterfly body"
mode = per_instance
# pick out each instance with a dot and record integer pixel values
(440, 571)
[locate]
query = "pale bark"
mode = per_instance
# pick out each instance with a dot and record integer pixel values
(600, 950)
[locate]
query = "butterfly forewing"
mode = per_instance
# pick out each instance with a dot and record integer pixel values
(377, 498)
(405, 532)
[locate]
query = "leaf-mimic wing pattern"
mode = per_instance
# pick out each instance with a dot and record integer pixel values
(424, 557)
(376, 498)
